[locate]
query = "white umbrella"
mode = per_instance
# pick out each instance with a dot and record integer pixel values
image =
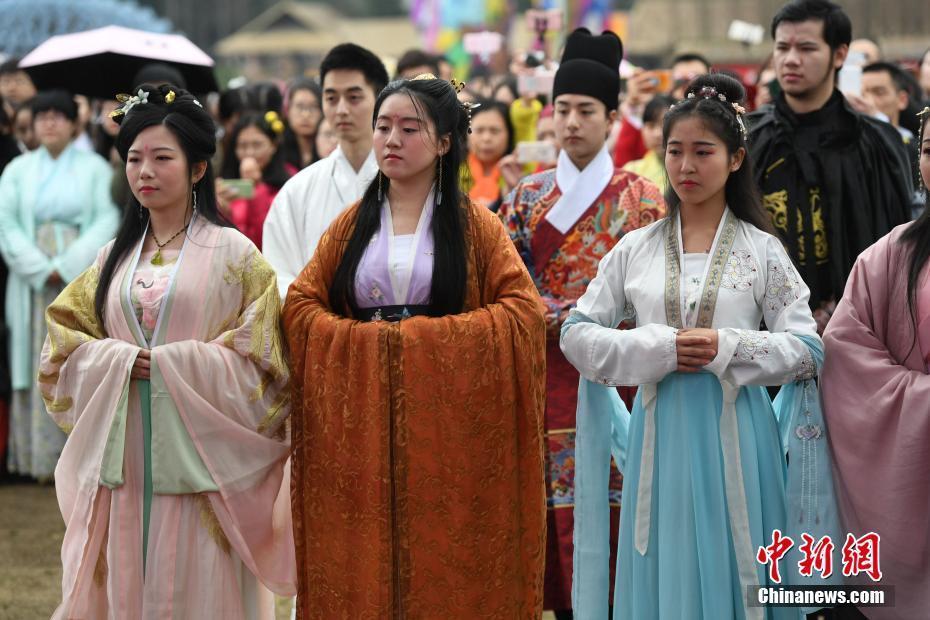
(102, 62)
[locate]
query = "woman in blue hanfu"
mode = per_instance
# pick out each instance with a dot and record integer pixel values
(703, 453)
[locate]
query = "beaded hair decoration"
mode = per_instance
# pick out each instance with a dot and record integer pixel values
(458, 87)
(709, 92)
(923, 123)
(920, 134)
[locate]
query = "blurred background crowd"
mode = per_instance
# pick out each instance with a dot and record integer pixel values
(254, 64)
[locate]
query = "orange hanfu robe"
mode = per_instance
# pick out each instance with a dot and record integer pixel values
(418, 466)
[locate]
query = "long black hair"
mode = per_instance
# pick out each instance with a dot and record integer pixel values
(918, 233)
(196, 133)
(290, 145)
(721, 118)
(274, 173)
(436, 100)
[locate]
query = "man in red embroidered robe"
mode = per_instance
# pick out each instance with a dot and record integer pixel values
(563, 221)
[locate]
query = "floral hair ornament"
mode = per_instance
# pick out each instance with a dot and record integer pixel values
(458, 87)
(274, 121)
(169, 98)
(709, 92)
(129, 102)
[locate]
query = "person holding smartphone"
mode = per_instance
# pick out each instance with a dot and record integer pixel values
(254, 172)
(563, 221)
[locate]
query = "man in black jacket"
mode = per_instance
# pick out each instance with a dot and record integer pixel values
(834, 180)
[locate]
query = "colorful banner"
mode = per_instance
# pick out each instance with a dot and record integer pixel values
(592, 14)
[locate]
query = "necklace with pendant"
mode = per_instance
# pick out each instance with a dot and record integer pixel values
(157, 259)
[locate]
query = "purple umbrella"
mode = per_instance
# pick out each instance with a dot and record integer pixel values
(102, 62)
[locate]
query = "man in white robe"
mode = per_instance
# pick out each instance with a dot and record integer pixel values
(351, 77)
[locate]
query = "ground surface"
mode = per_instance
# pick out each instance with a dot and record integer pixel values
(31, 530)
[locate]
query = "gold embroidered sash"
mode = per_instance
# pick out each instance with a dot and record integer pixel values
(712, 281)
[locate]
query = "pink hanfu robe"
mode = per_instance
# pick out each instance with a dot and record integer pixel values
(198, 468)
(876, 393)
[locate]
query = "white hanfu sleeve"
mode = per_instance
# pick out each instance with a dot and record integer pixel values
(283, 243)
(610, 356)
(777, 356)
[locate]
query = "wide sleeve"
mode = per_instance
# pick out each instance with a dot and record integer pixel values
(250, 354)
(100, 228)
(776, 356)
(232, 396)
(81, 370)
(20, 252)
(875, 396)
(860, 371)
(283, 240)
(607, 355)
(415, 401)
(512, 215)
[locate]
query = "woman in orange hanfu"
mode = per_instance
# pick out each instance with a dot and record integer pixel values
(418, 355)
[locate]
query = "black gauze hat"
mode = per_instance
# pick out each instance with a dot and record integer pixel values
(590, 66)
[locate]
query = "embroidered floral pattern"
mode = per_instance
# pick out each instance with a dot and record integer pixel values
(629, 311)
(708, 302)
(672, 274)
(376, 295)
(739, 271)
(560, 472)
(692, 292)
(806, 369)
(715, 273)
(627, 203)
(148, 289)
(781, 287)
(752, 346)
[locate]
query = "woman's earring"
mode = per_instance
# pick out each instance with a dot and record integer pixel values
(380, 195)
(439, 188)
(194, 195)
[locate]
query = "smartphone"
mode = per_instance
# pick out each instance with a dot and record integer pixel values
(539, 83)
(482, 43)
(244, 188)
(549, 20)
(542, 152)
(663, 80)
(850, 80)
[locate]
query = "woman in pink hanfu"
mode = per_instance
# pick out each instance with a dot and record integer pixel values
(164, 363)
(876, 391)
